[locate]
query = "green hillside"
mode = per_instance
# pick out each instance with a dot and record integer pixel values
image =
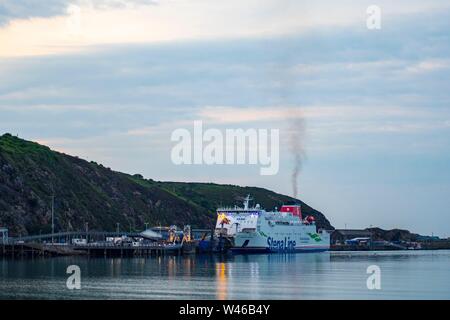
(87, 192)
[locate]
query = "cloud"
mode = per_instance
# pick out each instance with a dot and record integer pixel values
(102, 22)
(26, 9)
(326, 120)
(222, 114)
(428, 66)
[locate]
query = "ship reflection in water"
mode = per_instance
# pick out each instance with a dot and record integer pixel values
(335, 275)
(242, 274)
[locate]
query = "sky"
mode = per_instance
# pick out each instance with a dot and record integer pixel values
(110, 80)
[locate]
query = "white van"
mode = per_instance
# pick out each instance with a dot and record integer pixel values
(79, 242)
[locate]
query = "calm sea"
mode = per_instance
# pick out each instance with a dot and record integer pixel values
(336, 275)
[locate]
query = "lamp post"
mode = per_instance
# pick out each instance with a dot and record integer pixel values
(53, 216)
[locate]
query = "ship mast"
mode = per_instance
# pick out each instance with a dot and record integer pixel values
(247, 202)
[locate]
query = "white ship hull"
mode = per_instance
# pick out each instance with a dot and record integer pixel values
(282, 239)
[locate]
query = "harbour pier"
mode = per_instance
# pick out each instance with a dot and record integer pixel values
(32, 250)
(97, 244)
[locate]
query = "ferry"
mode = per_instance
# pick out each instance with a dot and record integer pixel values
(252, 229)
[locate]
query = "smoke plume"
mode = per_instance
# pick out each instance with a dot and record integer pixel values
(296, 137)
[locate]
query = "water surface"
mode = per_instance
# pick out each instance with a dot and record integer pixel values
(335, 275)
